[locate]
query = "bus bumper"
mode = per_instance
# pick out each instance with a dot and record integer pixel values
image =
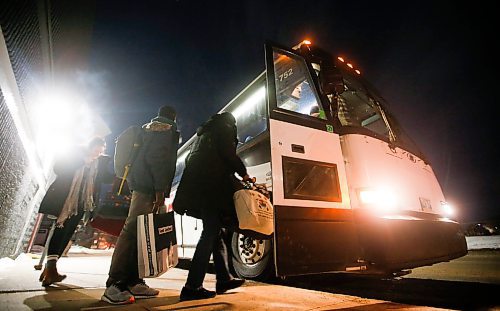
(398, 242)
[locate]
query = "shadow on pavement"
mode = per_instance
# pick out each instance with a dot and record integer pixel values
(75, 299)
(424, 292)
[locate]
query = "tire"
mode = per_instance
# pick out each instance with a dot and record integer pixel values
(252, 259)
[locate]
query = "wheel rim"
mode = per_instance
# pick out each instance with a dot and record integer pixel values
(250, 251)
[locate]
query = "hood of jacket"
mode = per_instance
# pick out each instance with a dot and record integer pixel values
(160, 124)
(224, 119)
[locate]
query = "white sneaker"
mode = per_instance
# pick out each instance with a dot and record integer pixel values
(116, 296)
(141, 290)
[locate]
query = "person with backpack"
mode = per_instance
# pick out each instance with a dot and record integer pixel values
(71, 198)
(206, 192)
(150, 176)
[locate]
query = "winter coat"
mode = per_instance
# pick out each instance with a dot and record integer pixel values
(154, 168)
(207, 180)
(65, 169)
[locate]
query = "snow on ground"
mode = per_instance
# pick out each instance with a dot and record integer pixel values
(75, 249)
(7, 263)
(483, 242)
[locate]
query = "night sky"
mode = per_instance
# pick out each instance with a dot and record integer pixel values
(433, 62)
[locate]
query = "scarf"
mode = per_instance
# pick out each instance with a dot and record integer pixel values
(86, 186)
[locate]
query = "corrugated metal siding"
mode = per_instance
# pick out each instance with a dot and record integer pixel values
(44, 39)
(17, 187)
(20, 28)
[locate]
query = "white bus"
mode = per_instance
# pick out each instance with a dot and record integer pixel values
(351, 191)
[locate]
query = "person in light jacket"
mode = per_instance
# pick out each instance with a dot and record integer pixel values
(150, 179)
(71, 197)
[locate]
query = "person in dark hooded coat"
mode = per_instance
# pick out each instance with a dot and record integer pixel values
(206, 192)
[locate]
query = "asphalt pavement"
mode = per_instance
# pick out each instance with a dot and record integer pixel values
(87, 273)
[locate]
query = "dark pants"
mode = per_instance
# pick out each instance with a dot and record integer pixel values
(62, 236)
(211, 242)
(124, 267)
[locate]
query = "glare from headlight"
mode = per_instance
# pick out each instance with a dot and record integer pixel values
(447, 209)
(382, 199)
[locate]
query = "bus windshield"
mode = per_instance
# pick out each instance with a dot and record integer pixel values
(361, 108)
(358, 109)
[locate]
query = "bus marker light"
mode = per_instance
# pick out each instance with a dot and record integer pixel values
(356, 268)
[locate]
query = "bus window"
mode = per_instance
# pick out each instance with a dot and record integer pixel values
(358, 109)
(294, 87)
(251, 116)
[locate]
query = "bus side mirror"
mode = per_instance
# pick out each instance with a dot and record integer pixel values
(331, 81)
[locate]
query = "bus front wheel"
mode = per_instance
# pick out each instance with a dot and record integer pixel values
(252, 258)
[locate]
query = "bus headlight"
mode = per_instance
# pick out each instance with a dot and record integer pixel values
(382, 199)
(447, 209)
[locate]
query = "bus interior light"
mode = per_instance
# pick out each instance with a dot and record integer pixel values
(182, 157)
(251, 102)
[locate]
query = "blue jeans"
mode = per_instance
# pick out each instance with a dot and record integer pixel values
(210, 242)
(124, 267)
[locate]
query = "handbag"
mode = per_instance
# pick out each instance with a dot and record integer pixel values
(112, 209)
(156, 244)
(254, 211)
(112, 205)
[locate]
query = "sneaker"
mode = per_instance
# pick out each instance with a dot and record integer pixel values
(195, 294)
(141, 290)
(222, 287)
(116, 296)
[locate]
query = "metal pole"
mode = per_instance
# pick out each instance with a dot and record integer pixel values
(46, 247)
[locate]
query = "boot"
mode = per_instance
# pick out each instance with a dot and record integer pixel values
(50, 274)
(42, 276)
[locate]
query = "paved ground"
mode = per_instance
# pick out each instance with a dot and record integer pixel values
(471, 282)
(20, 290)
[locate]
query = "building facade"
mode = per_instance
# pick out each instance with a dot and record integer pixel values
(41, 41)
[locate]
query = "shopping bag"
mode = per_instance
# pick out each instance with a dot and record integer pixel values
(255, 213)
(156, 244)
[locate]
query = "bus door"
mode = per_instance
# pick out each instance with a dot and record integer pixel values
(314, 229)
